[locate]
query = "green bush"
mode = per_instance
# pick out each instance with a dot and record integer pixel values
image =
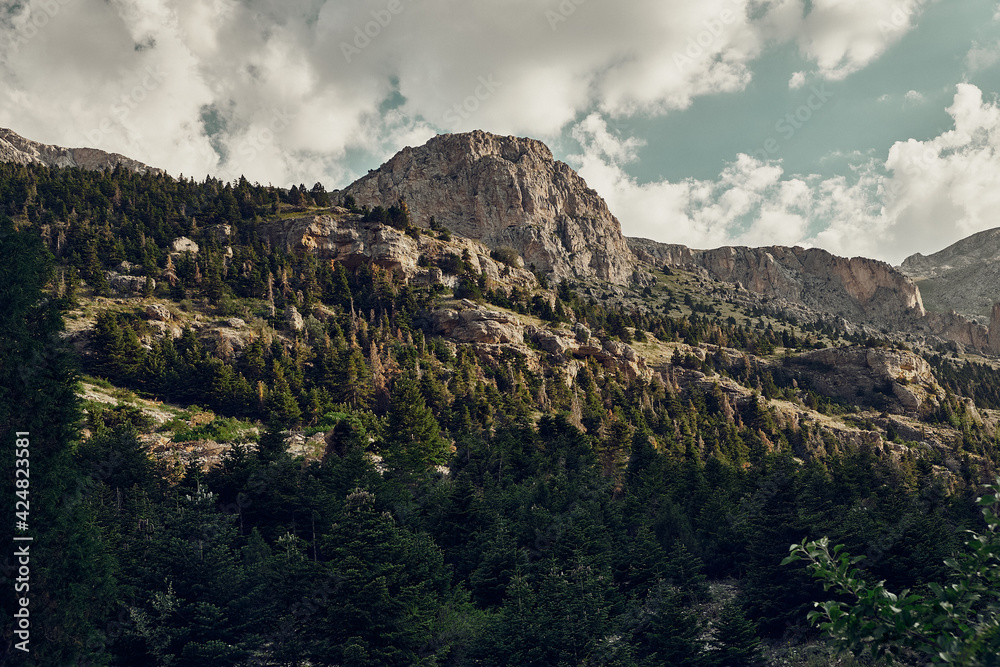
(506, 255)
(956, 622)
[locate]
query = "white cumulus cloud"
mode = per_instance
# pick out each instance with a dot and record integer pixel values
(922, 197)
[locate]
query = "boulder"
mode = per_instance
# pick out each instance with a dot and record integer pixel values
(184, 244)
(158, 312)
(127, 284)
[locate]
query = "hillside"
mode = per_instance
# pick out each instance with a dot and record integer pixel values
(317, 428)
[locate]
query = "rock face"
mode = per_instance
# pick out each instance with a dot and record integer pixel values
(903, 379)
(859, 289)
(15, 148)
(294, 319)
(184, 244)
(505, 192)
(964, 277)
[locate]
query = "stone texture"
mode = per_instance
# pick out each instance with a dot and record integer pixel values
(184, 244)
(294, 319)
(851, 372)
(958, 329)
(126, 284)
(476, 325)
(505, 192)
(964, 277)
(15, 148)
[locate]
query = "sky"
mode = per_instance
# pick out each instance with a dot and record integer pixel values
(865, 127)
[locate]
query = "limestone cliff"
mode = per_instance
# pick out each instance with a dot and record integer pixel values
(884, 377)
(15, 148)
(864, 291)
(505, 192)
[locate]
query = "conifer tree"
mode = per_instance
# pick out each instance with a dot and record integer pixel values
(413, 440)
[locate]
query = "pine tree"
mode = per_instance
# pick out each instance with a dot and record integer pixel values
(413, 439)
(281, 404)
(734, 642)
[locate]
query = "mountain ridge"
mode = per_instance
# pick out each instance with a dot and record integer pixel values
(18, 149)
(509, 193)
(962, 277)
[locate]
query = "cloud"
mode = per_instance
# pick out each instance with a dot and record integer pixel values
(749, 203)
(277, 91)
(922, 197)
(982, 57)
(843, 36)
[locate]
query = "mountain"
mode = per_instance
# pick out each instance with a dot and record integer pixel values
(505, 192)
(964, 277)
(497, 193)
(15, 148)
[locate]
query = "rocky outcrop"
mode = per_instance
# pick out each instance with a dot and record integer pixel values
(184, 244)
(504, 192)
(477, 325)
(994, 330)
(15, 148)
(896, 378)
(157, 312)
(127, 284)
(294, 319)
(959, 329)
(343, 237)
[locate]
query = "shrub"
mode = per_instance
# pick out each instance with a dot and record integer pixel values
(506, 255)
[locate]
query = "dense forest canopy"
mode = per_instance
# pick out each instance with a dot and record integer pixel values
(469, 508)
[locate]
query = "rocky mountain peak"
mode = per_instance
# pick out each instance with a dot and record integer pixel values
(17, 149)
(505, 192)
